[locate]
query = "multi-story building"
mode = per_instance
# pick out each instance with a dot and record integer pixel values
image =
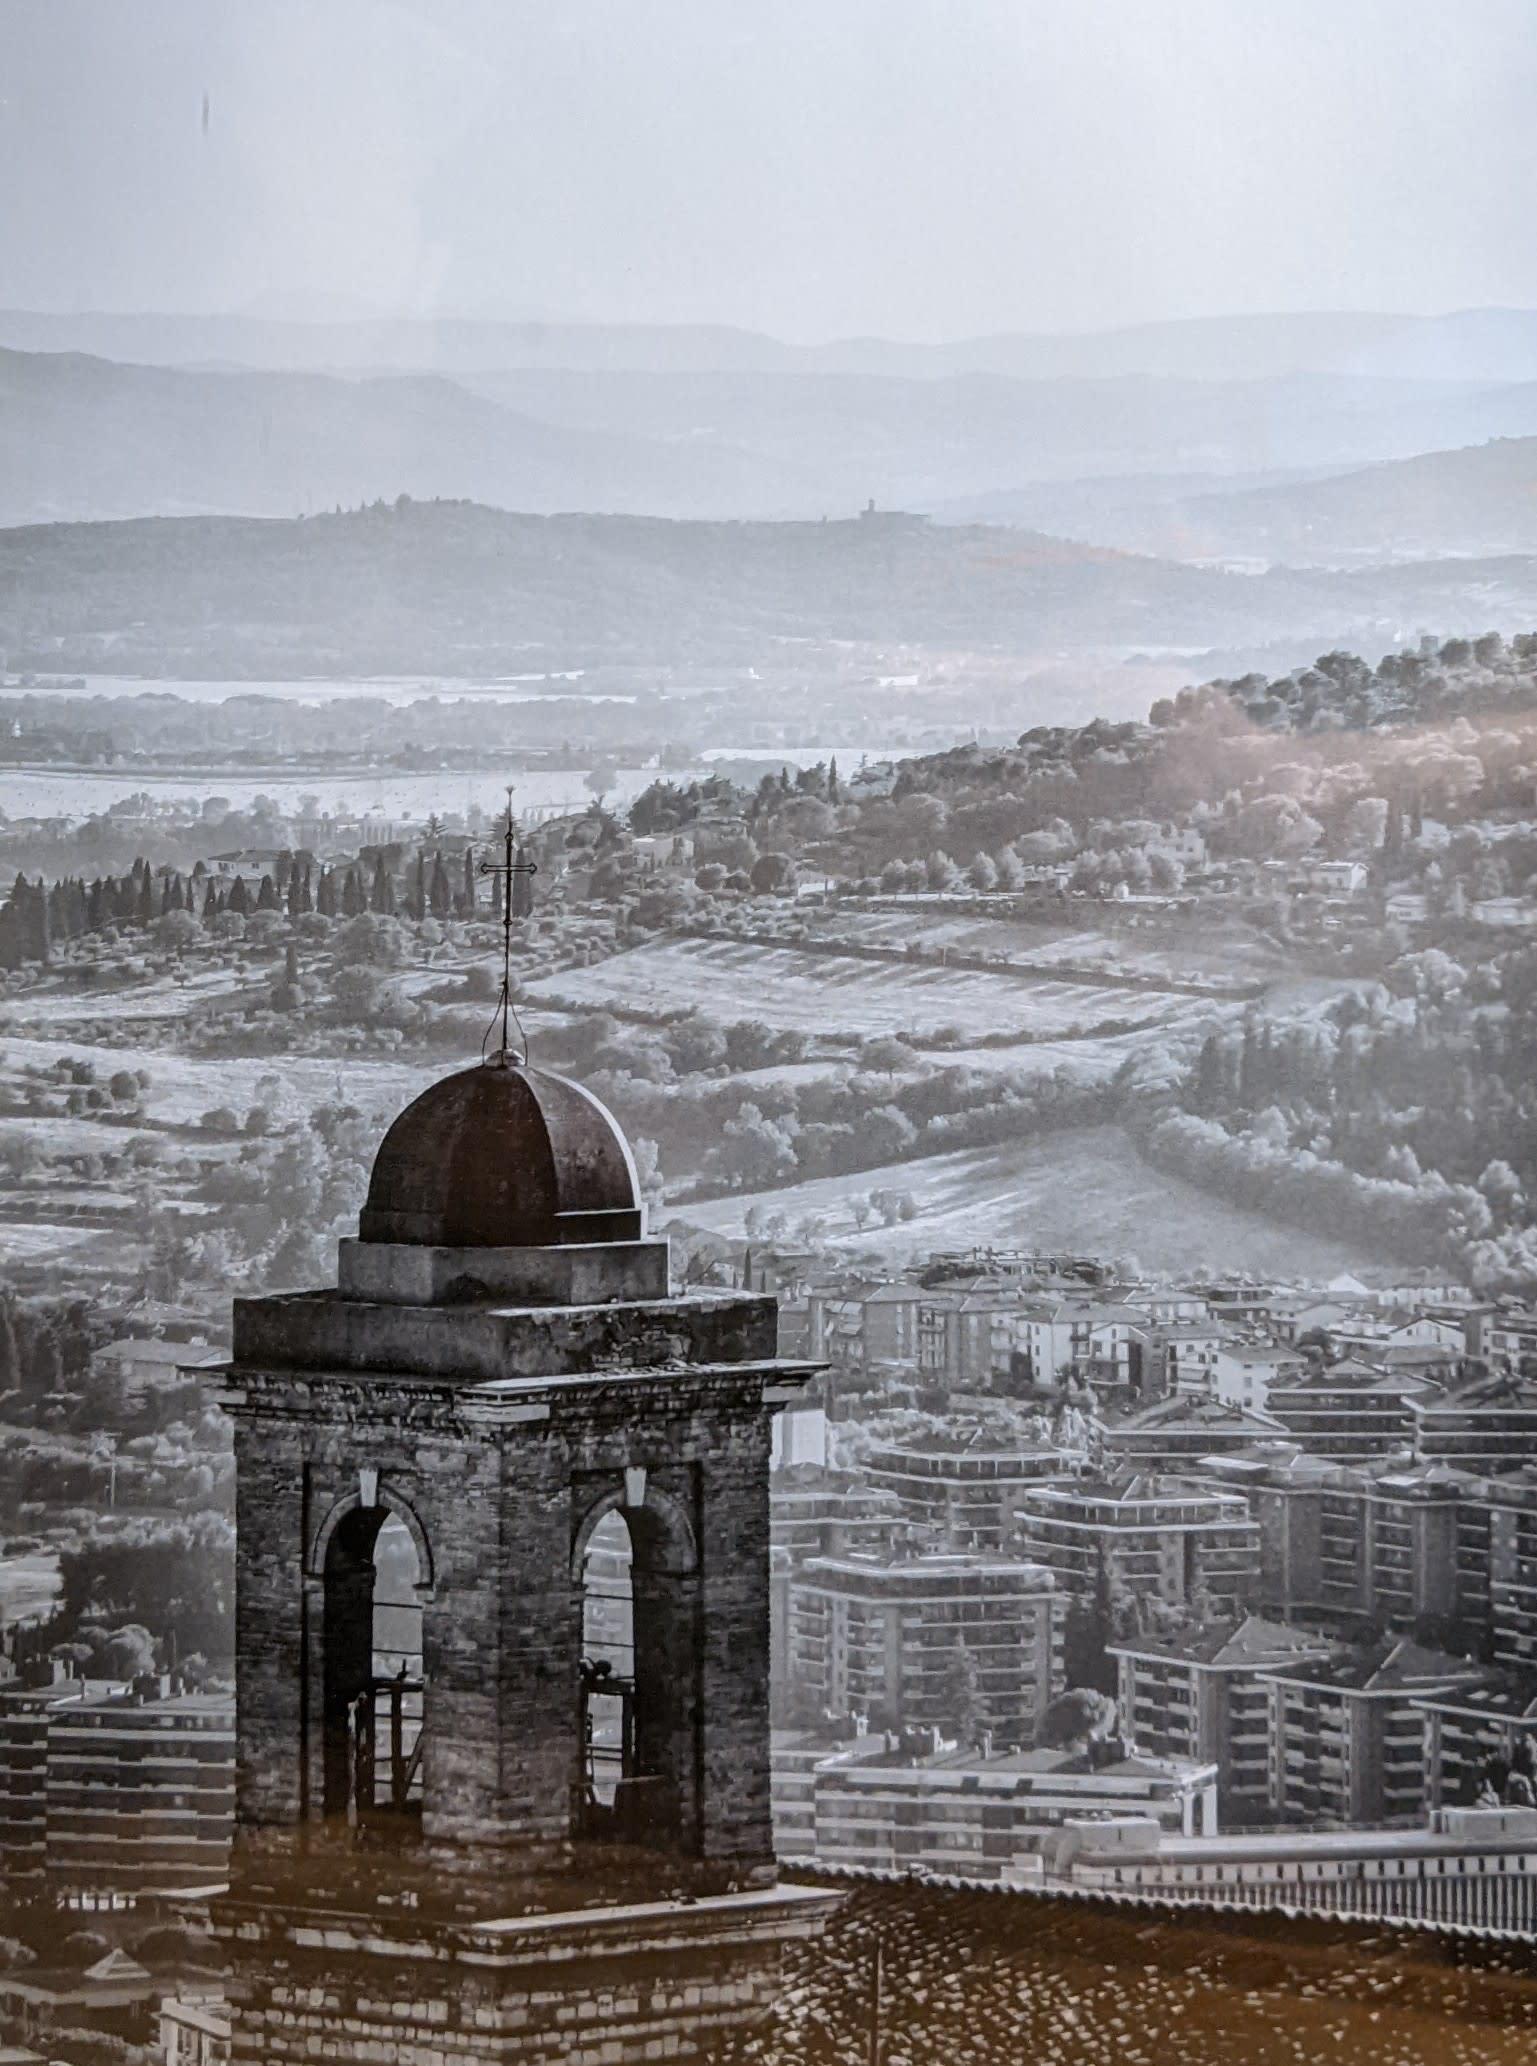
(1347, 1734)
(1486, 1424)
(1168, 1537)
(980, 1817)
(1291, 1314)
(1350, 1411)
(1176, 1433)
(1497, 1545)
(889, 1328)
(880, 1639)
(825, 1513)
(968, 1497)
(1471, 1868)
(1368, 1542)
(1509, 1339)
(1387, 1543)
(1201, 1693)
(1245, 1373)
(1166, 1305)
(109, 1788)
(1062, 1337)
(194, 2030)
(1473, 1731)
(1187, 1350)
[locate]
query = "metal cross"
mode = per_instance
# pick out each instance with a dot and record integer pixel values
(515, 868)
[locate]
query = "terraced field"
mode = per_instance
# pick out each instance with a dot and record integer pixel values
(842, 996)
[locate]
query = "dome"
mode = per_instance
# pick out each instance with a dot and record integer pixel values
(503, 1156)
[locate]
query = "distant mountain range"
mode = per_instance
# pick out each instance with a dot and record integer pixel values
(86, 438)
(1469, 344)
(1121, 461)
(457, 589)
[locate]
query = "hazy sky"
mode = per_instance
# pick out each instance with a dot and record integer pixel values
(815, 168)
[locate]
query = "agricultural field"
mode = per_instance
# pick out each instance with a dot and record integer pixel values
(184, 1087)
(843, 998)
(1177, 946)
(1085, 1188)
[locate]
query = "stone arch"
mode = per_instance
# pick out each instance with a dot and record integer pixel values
(667, 1529)
(656, 1802)
(388, 1500)
(370, 1682)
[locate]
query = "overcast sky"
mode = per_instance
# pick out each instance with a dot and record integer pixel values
(814, 168)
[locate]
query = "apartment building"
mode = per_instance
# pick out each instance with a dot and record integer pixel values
(1244, 1373)
(105, 1787)
(1474, 1731)
(1168, 1537)
(1351, 1411)
(1487, 1424)
(1187, 1350)
(1202, 1693)
(967, 1496)
(883, 1811)
(879, 1639)
(1368, 1541)
(1347, 1732)
(1498, 1563)
(1176, 1433)
(1509, 1339)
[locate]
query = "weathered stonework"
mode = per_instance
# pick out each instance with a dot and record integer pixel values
(581, 1988)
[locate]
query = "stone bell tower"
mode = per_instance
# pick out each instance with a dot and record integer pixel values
(503, 1579)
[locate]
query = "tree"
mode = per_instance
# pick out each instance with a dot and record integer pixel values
(772, 875)
(600, 779)
(176, 932)
(1079, 1715)
(960, 1694)
(175, 1581)
(126, 1653)
(888, 1054)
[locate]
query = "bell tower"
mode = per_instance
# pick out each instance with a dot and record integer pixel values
(503, 1564)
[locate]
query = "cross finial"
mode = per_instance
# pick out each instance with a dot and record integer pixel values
(516, 870)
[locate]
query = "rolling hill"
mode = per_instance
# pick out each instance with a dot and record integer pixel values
(454, 588)
(85, 438)
(1480, 500)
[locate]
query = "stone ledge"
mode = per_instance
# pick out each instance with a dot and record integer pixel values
(583, 1274)
(325, 1330)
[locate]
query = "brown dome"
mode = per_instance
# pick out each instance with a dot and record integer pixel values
(503, 1156)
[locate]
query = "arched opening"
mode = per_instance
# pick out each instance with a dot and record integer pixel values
(608, 1664)
(638, 1704)
(374, 1686)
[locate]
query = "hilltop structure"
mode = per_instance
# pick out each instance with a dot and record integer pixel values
(503, 1615)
